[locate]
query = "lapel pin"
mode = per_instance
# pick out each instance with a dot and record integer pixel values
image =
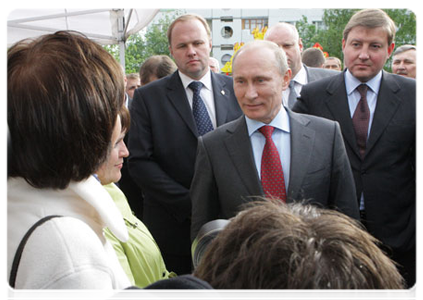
(222, 92)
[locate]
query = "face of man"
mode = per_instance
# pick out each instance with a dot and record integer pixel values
(190, 47)
(258, 84)
(404, 63)
(286, 38)
(110, 170)
(131, 86)
(366, 51)
(214, 65)
(332, 64)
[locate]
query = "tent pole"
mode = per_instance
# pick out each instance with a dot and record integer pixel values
(122, 53)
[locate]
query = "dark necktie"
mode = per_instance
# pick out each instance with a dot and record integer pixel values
(361, 119)
(292, 94)
(199, 110)
(272, 179)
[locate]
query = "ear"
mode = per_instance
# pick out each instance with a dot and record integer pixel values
(286, 79)
(170, 50)
(391, 49)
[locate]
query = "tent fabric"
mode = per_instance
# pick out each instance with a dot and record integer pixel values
(105, 26)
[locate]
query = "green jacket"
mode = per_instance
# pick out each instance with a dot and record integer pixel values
(140, 257)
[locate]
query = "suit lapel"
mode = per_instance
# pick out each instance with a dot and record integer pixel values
(302, 141)
(387, 104)
(337, 104)
(178, 98)
(239, 147)
(221, 96)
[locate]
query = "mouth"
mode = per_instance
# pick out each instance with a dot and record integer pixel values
(252, 106)
(362, 66)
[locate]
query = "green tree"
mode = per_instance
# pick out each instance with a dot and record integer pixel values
(307, 31)
(335, 20)
(148, 42)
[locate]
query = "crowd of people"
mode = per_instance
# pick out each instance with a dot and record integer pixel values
(309, 159)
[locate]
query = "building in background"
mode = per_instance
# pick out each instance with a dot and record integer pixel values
(231, 26)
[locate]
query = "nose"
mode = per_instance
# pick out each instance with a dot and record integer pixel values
(191, 50)
(251, 92)
(401, 66)
(364, 53)
(123, 151)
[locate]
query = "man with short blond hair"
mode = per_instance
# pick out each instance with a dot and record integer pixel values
(377, 114)
(286, 36)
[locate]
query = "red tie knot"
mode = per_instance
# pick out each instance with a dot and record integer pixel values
(267, 131)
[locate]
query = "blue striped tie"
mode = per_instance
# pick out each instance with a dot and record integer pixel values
(199, 110)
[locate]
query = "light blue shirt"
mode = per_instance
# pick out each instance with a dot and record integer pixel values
(351, 84)
(281, 137)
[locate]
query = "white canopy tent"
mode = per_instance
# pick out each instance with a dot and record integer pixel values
(105, 26)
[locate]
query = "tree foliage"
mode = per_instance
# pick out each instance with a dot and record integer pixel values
(152, 41)
(334, 20)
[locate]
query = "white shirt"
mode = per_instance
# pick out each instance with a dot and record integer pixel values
(69, 252)
(299, 81)
(206, 93)
(281, 137)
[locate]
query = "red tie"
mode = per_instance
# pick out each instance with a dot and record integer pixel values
(361, 119)
(272, 179)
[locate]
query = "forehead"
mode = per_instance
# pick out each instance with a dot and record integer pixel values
(282, 35)
(187, 29)
(409, 54)
(361, 33)
(254, 61)
(331, 61)
(133, 80)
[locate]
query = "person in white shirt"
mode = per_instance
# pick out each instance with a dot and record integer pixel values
(286, 36)
(64, 95)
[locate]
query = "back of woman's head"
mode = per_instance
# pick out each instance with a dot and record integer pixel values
(64, 94)
(278, 246)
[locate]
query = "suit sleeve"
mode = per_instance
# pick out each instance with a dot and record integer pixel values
(300, 105)
(146, 171)
(205, 204)
(343, 192)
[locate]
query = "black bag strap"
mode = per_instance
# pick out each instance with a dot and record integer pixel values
(18, 255)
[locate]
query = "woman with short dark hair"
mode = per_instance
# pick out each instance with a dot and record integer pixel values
(64, 95)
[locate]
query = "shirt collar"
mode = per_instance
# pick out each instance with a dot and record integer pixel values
(301, 76)
(281, 122)
(206, 80)
(351, 83)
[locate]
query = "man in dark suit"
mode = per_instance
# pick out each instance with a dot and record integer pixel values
(164, 133)
(382, 151)
(232, 163)
(286, 36)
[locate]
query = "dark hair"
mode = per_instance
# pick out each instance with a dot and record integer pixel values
(158, 66)
(64, 93)
(125, 118)
(313, 57)
(295, 246)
